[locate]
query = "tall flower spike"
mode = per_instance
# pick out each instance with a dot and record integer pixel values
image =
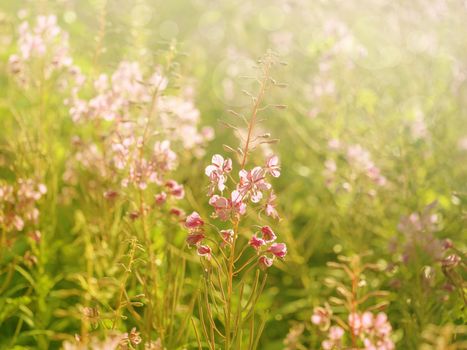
(230, 265)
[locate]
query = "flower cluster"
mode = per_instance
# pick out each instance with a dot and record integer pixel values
(418, 229)
(47, 43)
(360, 162)
(113, 341)
(373, 331)
(266, 247)
(127, 137)
(18, 204)
(251, 187)
(118, 96)
(359, 327)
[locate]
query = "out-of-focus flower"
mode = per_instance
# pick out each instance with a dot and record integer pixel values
(160, 198)
(204, 251)
(195, 238)
(278, 249)
(227, 236)
(272, 166)
(334, 340)
(256, 242)
(265, 262)
(194, 221)
(270, 207)
(322, 317)
(175, 189)
(268, 234)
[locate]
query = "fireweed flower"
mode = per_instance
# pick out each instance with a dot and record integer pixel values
(419, 229)
(278, 249)
(177, 212)
(175, 189)
(227, 236)
(252, 183)
(195, 238)
(270, 207)
(194, 221)
(18, 204)
(361, 165)
(334, 340)
(217, 172)
(272, 166)
(227, 208)
(204, 251)
(256, 242)
(365, 330)
(268, 234)
(251, 189)
(130, 151)
(160, 198)
(47, 43)
(265, 262)
(322, 317)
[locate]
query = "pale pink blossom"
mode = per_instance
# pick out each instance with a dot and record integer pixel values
(252, 183)
(226, 208)
(322, 317)
(270, 207)
(217, 172)
(272, 166)
(355, 323)
(278, 249)
(334, 340)
(265, 262)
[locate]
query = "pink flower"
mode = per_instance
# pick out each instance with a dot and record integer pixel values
(177, 212)
(195, 238)
(217, 172)
(160, 198)
(355, 323)
(110, 195)
(175, 189)
(204, 250)
(382, 324)
(256, 242)
(278, 249)
(321, 317)
(271, 206)
(227, 236)
(265, 262)
(225, 208)
(367, 320)
(253, 183)
(268, 234)
(334, 144)
(272, 166)
(336, 333)
(194, 221)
